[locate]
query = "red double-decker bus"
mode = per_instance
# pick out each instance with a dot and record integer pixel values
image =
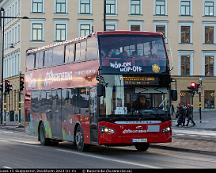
(108, 88)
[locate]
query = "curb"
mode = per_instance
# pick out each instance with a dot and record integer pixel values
(15, 128)
(212, 153)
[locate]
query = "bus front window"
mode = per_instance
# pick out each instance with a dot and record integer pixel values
(133, 100)
(132, 53)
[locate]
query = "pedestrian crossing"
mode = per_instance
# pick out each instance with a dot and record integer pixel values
(195, 133)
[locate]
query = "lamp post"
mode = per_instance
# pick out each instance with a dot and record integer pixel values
(200, 105)
(2, 17)
(104, 15)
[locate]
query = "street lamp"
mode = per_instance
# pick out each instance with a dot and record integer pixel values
(2, 17)
(104, 15)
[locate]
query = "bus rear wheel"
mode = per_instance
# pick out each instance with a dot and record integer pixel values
(79, 140)
(142, 146)
(42, 135)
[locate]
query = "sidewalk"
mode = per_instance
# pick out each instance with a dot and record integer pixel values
(19, 128)
(208, 121)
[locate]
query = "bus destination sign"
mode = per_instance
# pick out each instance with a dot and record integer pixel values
(145, 80)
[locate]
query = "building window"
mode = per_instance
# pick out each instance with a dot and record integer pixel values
(160, 7)
(37, 6)
(111, 7)
(135, 7)
(60, 6)
(209, 34)
(209, 99)
(162, 29)
(185, 97)
(85, 29)
(209, 8)
(61, 32)
(209, 65)
(110, 27)
(185, 65)
(85, 6)
(135, 27)
(185, 34)
(37, 32)
(185, 8)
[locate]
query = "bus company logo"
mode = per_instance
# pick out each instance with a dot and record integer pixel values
(58, 77)
(129, 131)
(155, 68)
(125, 67)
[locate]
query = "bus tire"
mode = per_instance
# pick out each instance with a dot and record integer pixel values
(142, 146)
(79, 140)
(42, 135)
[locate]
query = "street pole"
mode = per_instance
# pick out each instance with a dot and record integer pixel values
(2, 27)
(104, 15)
(2, 15)
(19, 106)
(200, 112)
(192, 103)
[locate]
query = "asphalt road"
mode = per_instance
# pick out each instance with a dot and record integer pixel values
(19, 150)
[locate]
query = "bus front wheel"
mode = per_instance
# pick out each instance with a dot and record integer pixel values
(142, 146)
(42, 135)
(79, 139)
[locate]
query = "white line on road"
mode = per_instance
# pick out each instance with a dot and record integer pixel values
(6, 131)
(6, 167)
(110, 159)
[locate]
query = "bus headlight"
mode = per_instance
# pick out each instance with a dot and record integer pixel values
(166, 130)
(107, 130)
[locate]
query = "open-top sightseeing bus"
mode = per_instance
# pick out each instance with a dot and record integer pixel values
(108, 88)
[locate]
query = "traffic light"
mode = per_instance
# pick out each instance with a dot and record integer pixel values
(194, 87)
(1, 86)
(21, 83)
(8, 86)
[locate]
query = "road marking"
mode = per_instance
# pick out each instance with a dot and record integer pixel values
(110, 159)
(6, 167)
(6, 131)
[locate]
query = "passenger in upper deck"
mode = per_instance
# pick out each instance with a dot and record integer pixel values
(134, 54)
(124, 54)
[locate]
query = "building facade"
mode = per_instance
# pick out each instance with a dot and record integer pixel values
(188, 25)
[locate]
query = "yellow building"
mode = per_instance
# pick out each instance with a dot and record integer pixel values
(188, 25)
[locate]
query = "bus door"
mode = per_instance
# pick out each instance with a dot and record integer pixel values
(93, 115)
(56, 120)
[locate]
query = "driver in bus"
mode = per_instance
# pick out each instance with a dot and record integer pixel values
(141, 103)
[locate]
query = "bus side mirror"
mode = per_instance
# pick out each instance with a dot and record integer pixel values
(100, 90)
(174, 95)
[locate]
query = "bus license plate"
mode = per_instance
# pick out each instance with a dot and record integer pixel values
(139, 140)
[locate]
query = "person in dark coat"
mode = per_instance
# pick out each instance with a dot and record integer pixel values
(181, 113)
(189, 115)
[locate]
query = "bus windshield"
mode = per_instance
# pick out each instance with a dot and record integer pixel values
(133, 100)
(132, 53)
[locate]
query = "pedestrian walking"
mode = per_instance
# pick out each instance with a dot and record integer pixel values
(181, 112)
(189, 115)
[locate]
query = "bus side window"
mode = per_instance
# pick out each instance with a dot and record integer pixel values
(83, 100)
(69, 53)
(78, 55)
(58, 55)
(80, 51)
(39, 59)
(48, 57)
(30, 64)
(83, 51)
(92, 49)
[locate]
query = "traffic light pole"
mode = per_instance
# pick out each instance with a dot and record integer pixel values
(192, 103)
(200, 112)
(19, 106)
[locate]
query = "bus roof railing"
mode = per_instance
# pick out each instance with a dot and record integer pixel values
(79, 39)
